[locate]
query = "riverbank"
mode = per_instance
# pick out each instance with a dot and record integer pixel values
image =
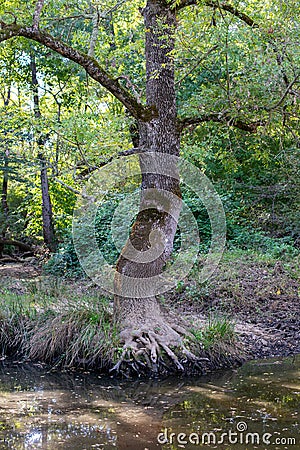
(261, 296)
(250, 309)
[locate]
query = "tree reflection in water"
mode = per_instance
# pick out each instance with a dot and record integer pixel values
(41, 410)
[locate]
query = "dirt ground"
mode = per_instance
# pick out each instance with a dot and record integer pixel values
(19, 271)
(263, 299)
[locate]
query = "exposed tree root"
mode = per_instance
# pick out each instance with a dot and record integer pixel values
(158, 349)
(21, 245)
(9, 259)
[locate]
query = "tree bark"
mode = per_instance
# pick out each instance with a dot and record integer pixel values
(4, 203)
(145, 328)
(159, 135)
(15, 243)
(47, 214)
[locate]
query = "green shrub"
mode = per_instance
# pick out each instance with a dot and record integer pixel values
(65, 262)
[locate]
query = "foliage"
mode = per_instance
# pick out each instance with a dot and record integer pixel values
(222, 66)
(64, 262)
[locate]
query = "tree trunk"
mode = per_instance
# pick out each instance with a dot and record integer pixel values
(4, 202)
(48, 228)
(145, 329)
(47, 214)
(4, 193)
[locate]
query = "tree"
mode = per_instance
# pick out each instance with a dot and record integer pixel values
(48, 226)
(146, 330)
(6, 96)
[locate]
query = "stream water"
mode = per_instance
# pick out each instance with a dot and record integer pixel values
(255, 406)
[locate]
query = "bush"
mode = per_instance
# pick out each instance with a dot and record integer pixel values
(259, 241)
(65, 262)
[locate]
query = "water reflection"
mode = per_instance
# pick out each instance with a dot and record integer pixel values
(39, 410)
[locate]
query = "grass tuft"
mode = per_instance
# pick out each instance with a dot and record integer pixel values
(217, 332)
(61, 329)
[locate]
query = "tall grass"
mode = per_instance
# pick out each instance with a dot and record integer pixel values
(218, 341)
(63, 329)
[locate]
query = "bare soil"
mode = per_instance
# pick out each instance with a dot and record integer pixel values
(263, 299)
(17, 270)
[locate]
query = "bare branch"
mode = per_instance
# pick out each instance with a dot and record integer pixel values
(70, 188)
(197, 63)
(75, 16)
(95, 32)
(21, 245)
(92, 67)
(286, 92)
(116, 7)
(295, 93)
(102, 15)
(224, 118)
(185, 3)
(92, 169)
(279, 59)
(130, 85)
(224, 6)
(37, 14)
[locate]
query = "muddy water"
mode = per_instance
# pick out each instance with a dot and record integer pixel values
(258, 403)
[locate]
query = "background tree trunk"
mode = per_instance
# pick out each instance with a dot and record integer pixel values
(48, 227)
(4, 193)
(4, 202)
(47, 214)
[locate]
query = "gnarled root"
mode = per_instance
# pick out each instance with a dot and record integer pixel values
(158, 349)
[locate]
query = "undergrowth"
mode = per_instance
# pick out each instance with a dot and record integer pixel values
(218, 331)
(63, 331)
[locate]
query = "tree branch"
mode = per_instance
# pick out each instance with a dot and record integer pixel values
(92, 67)
(21, 245)
(95, 32)
(197, 64)
(250, 127)
(131, 151)
(185, 3)
(102, 15)
(37, 14)
(216, 4)
(221, 5)
(130, 85)
(70, 188)
(286, 92)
